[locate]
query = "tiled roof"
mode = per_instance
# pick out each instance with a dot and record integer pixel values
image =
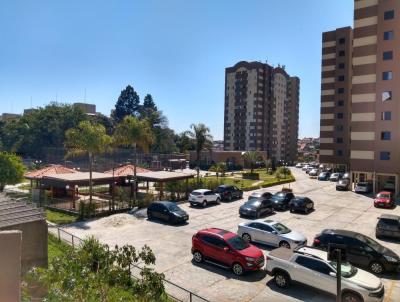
(17, 212)
(126, 170)
(50, 170)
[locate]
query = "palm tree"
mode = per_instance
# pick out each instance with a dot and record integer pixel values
(135, 133)
(252, 157)
(202, 137)
(219, 168)
(87, 139)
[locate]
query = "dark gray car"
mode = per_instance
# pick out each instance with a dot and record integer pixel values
(388, 226)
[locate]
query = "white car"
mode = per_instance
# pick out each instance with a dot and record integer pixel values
(334, 177)
(311, 266)
(203, 197)
(299, 165)
(270, 232)
(313, 173)
(305, 168)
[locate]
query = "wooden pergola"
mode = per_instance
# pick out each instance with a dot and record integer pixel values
(162, 177)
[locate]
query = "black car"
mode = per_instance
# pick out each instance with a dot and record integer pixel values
(167, 211)
(280, 200)
(388, 226)
(324, 176)
(362, 251)
(303, 204)
(256, 207)
(343, 184)
(263, 195)
(228, 192)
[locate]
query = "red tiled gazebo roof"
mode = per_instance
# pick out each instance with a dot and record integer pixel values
(126, 170)
(50, 170)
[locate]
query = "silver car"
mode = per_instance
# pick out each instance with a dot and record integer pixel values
(270, 232)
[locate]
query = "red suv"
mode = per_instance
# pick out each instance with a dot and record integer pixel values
(384, 200)
(226, 249)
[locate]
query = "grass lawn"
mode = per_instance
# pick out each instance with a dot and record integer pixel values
(55, 247)
(60, 218)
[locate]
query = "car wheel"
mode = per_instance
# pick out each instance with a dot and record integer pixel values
(291, 209)
(351, 297)
(246, 237)
(282, 279)
(197, 257)
(237, 269)
(284, 244)
(218, 201)
(204, 204)
(376, 267)
(306, 210)
(230, 197)
(149, 216)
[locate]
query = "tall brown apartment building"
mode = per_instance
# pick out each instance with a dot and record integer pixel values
(261, 110)
(373, 109)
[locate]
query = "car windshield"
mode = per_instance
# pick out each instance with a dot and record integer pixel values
(343, 182)
(281, 228)
(237, 243)
(322, 174)
(383, 195)
(347, 270)
(253, 202)
(220, 189)
(369, 241)
(361, 184)
(279, 196)
(173, 207)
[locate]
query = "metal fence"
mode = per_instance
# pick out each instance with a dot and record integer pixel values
(174, 291)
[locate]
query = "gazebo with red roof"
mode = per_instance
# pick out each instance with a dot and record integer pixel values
(37, 175)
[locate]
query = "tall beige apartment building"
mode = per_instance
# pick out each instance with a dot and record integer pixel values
(370, 119)
(261, 110)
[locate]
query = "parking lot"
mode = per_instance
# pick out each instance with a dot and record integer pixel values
(171, 244)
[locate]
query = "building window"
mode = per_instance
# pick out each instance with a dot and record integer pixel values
(386, 116)
(388, 15)
(385, 155)
(340, 115)
(342, 40)
(339, 152)
(339, 128)
(386, 96)
(387, 75)
(341, 78)
(341, 66)
(341, 53)
(339, 140)
(387, 55)
(388, 35)
(385, 135)
(340, 90)
(340, 103)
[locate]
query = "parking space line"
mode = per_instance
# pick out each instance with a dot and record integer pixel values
(390, 291)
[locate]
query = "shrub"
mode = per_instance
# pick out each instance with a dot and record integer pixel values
(252, 176)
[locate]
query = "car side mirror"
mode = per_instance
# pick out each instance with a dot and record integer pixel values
(332, 274)
(226, 249)
(274, 232)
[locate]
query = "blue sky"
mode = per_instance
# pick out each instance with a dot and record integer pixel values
(177, 50)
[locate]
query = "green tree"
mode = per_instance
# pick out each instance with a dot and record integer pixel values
(96, 272)
(219, 168)
(33, 133)
(128, 104)
(134, 133)
(148, 107)
(88, 139)
(251, 158)
(11, 169)
(201, 135)
(184, 143)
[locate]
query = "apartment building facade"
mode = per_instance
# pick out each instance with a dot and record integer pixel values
(375, 87)
(261, 110)
(336, 98)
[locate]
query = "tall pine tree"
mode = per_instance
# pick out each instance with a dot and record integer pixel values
(128, 104)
